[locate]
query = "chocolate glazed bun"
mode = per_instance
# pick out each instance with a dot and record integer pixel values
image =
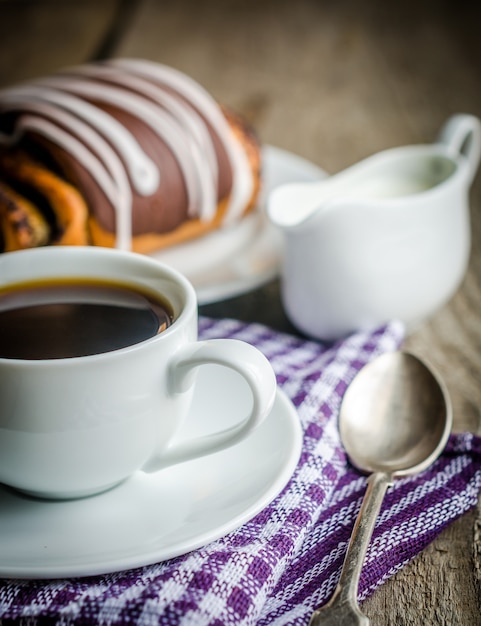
(126, 153)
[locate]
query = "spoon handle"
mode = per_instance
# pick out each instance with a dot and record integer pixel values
(343, 604)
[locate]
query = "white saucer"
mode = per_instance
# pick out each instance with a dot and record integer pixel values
(235, 260)
(153, 517)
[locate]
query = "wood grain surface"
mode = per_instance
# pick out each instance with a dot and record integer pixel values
(332, 81)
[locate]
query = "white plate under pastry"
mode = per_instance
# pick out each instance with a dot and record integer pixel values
(153, 517)
(235, 260)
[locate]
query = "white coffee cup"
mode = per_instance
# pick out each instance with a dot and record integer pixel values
(73, 427)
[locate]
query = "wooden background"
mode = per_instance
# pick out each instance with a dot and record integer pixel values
(332, 81)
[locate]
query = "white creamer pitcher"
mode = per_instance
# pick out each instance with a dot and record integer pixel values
(388, 238)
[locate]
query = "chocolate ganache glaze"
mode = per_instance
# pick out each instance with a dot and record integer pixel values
(154, 156)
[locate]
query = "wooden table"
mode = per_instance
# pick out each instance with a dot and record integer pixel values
(332, 81)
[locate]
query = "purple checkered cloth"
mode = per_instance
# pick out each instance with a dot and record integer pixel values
(278, 567)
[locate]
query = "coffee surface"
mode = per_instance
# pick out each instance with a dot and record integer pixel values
(54, 320)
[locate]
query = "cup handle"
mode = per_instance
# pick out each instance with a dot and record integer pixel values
(461, 134)
(237, 355)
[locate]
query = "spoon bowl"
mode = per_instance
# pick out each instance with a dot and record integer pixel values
(395, 416)
(395, 420)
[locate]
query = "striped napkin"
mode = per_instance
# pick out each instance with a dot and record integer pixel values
(284, 563)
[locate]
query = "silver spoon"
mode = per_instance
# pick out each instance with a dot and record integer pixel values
(395, 420)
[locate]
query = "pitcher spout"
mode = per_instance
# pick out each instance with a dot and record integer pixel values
(293, 206)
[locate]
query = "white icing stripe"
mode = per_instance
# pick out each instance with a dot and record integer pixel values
(111, 179)
(243, 184)
(242, 177)
(187, 116)
(123, 202)
(173, 105)
(197, 175)
(200, 190)
(144, 173)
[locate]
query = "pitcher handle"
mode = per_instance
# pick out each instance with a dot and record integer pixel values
(461, 134)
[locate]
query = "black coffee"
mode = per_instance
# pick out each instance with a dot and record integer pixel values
(60, 319)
